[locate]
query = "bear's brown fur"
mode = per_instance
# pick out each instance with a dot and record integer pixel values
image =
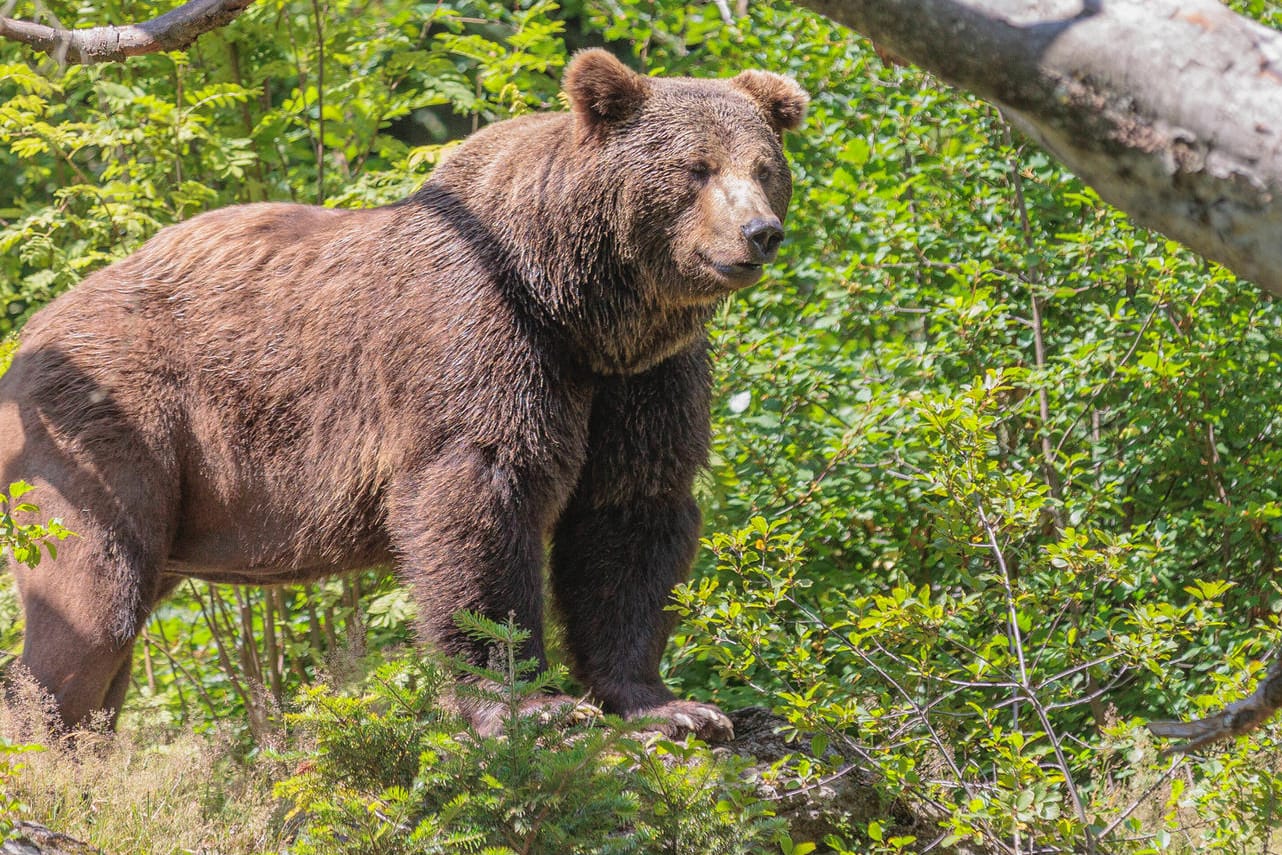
(515, 354)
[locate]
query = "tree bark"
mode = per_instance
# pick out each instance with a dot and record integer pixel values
(171, 31)
(1170, 109)
(32, 838)
(1236, 719)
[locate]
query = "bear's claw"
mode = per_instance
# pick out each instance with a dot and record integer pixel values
(547, 709)
(677, 719)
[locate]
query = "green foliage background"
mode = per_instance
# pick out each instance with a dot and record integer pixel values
(996, 474)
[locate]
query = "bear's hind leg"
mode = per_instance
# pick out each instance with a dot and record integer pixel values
(79, 668)
(84, 608)
(114, 699)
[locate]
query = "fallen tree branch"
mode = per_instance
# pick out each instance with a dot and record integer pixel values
(1234, 720)
(1170, 109)
(32, 838)
(171, 31)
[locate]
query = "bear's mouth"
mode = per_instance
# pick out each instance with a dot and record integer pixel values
(740, 274)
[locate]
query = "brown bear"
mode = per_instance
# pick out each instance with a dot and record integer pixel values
(513, 356)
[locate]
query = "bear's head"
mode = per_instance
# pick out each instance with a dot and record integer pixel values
(695, 166)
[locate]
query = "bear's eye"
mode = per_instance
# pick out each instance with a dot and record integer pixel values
(764, 172)
(700, 170)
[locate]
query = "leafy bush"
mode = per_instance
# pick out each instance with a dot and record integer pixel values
(11, 807)
(390, 772)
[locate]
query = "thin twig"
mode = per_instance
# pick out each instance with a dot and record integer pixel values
(320, 102)
(1033, 280)
(1134, 805)
(1029, 694)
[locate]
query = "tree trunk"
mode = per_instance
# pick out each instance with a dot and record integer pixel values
(1170, 109)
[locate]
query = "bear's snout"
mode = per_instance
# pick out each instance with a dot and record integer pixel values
(764, 235)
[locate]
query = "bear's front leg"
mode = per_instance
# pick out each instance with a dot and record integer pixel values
(629, 535)
(468, 533)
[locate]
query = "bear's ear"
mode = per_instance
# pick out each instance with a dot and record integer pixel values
(780, 98)
(602, 89)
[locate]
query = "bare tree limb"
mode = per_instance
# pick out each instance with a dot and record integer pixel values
(171, 31)
(1234, 720)
(1170, 109)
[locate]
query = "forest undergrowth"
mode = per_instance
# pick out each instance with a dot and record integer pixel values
(996, 475)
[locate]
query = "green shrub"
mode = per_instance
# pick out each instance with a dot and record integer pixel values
(391, 773)
(11, 807)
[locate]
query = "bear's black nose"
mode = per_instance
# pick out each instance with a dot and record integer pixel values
(764, 235)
